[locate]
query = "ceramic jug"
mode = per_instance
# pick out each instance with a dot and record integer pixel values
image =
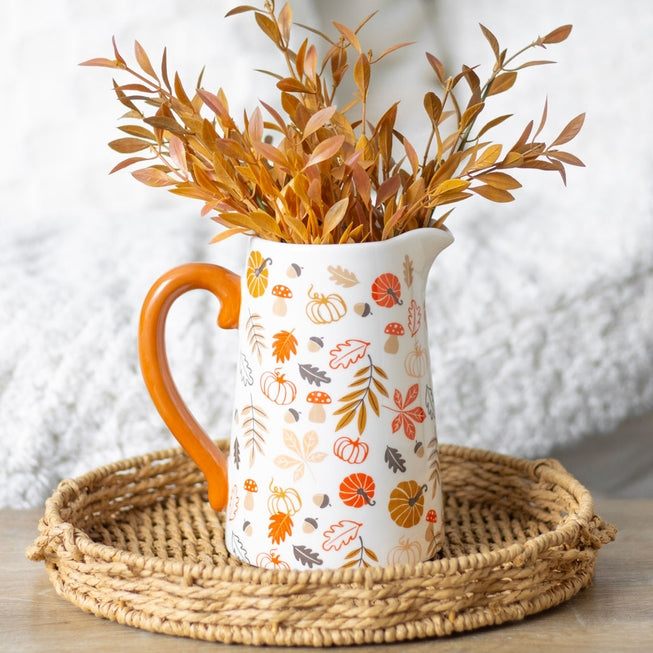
(333, 458)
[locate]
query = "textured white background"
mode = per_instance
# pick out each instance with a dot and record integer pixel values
(540, 313)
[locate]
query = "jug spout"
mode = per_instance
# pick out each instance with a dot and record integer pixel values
(421, 245)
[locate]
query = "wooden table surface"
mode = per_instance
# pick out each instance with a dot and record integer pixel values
(614, 614)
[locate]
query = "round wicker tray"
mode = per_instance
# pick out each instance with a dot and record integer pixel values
(136, 542)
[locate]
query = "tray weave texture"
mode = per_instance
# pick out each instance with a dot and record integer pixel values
(137, 543)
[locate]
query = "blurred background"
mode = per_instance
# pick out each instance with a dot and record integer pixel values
(540, 314)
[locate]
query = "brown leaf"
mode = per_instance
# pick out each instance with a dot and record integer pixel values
(143, 60)
(492, 40)
(334, 215)
(241, 9)
(362, 74)
(128, 145)
(493, 194)
(433, 106)
(318, 120)
(502, 83)
(285, 22)
(437, 66)
(570, 131)
(127, 162)
(269, 27)
(349, 35)
(101, 62)
(325, 150)
(499, 180)
(557, 35)
(292, 85)
(153, 177)
(565, 157)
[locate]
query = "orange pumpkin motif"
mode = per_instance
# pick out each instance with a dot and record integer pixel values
(357, 490)
(406, 503)
(351, 451)
(257, 273)
(277, 388)
(415, 363)
(386, 290)
(270, 561)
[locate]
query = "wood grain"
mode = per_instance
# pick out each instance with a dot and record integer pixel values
(614, 614)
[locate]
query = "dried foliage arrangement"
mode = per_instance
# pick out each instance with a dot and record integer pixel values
(310, 172)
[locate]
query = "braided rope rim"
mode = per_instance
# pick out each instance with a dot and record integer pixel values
(136, 542)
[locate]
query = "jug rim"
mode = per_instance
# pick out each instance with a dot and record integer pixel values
(442, 233)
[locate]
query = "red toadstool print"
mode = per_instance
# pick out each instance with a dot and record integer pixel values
(318, 399)
(281, 293)
(393, 330)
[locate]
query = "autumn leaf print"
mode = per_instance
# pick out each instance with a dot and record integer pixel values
(408, 270)
(255, 335)
(406, 417)
(306, 556)
(366, 381)
(340, 534)
(284, 345)
(254, 429)
(342, 276)
(360, 557)
(347, 353)
(280, 527)
(313, 374)
(414, 317)
(396, 462)
(434, 466)
(303, 453)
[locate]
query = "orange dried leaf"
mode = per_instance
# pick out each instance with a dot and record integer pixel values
(153, 177)
(128, 145)
(101, 62)
(502, 83)
(558, 35)
(570, 131)
(349, 35)
(492, 40)
(143, 60)
(499, 180)
(334, 215)
(493, 194)
(325, 150)
(318, 120)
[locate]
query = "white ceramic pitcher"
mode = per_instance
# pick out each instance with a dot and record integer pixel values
(334, 455)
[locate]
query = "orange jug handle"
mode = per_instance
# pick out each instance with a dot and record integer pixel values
(225, 285)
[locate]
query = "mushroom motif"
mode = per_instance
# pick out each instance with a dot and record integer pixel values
(281, 293)
(393, 330)
(251, 488)
(432, 516)
(319, 399)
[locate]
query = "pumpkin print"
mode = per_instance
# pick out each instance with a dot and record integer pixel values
(324, 309)
(407, 552)
(283, 500)
(357, 490)
(270, 561)
(406, 503)
(257, 273)
(351, 451)
(416, 361)
(386, 290)
(277, 388)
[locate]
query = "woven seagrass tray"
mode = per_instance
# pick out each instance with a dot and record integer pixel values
(136, 542)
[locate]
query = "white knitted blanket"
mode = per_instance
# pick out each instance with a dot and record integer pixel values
(540, 314)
